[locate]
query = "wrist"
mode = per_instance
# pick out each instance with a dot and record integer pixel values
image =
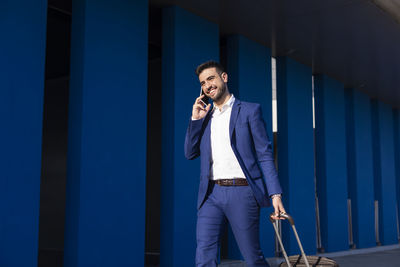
(276, 196)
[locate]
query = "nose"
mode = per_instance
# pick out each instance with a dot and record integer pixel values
(208, 85)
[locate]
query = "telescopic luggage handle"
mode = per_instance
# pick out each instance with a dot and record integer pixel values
(291, 221)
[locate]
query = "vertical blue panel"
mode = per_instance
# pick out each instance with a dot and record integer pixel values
(396, 141)
(105, 213)
(188, 40)
(386, 177)
(22, 59)
(296, 150)
(331, 162)
(245, 59)
(360, 170)
(376, 158)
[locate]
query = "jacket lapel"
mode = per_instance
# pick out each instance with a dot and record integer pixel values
(207, 131)
(234, 116)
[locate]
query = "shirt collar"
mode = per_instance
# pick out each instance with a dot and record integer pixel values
(230, 101)
(227, 105)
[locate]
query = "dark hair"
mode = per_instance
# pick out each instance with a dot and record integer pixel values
(209, 64)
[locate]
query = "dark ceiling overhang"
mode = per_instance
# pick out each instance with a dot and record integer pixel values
(356, 42)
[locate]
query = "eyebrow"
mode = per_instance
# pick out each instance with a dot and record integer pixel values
(208, 78)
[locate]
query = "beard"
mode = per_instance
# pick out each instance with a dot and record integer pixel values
(219, 94)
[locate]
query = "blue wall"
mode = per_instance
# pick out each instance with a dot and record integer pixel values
(359, 166)
(249, 70)
(105, 213)
(295, 150)
(396, 143)
(188, 40)
(331, 174)
(384, 171)
(23, 44)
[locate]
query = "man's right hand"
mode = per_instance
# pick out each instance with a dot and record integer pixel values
(199, 111)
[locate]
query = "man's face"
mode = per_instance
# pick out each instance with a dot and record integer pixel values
(212, 83)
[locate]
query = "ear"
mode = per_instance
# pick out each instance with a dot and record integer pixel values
(224, 77)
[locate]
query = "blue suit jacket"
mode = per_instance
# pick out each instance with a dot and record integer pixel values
(250, 143)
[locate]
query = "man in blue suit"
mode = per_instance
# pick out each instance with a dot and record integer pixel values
(238, 174)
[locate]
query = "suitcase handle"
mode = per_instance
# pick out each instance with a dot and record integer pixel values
(291, 221)
(283, 215)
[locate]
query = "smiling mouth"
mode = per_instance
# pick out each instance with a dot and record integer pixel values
(212, 91)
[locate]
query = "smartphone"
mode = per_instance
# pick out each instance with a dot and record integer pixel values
(205, 100)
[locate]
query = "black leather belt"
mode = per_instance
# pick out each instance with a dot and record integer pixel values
(231, 182)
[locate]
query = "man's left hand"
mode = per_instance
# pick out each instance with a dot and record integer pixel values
(278, 207)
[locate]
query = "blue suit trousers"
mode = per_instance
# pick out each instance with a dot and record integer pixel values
(236, 205)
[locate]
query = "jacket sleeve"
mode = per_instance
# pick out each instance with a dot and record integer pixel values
(264, 152)
(193, 138)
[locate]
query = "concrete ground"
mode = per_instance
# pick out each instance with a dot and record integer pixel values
(390, 258)
(385, 256)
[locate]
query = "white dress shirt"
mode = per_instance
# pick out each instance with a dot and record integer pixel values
(224, 162)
